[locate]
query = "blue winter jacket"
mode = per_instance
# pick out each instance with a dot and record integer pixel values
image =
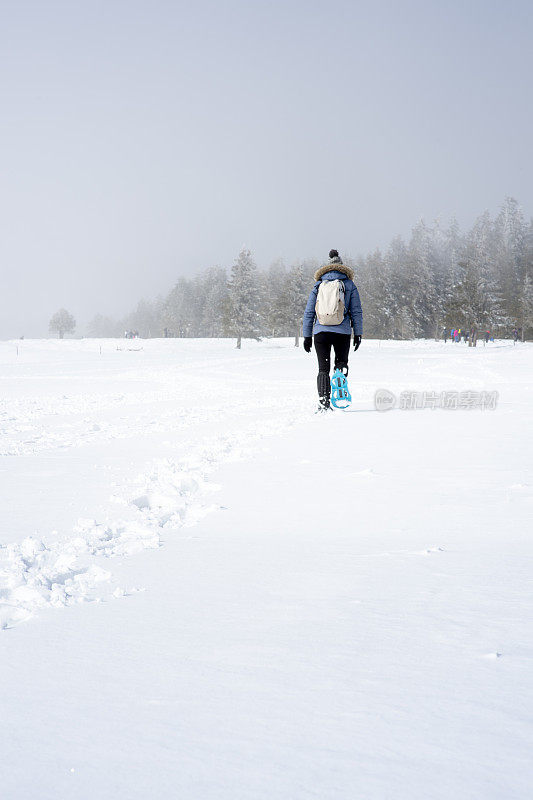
(353, 314)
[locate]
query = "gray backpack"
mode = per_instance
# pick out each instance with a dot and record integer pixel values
(329, 306)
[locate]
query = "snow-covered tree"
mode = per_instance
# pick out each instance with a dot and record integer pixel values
(274, 299)
(214, 286)
(423, 302)
(441, 278)
(146, 319)
(479, 291)
(525, 306)
(243, 313)
(102, 327)
(454, 275)
(398, 293)
(179, 309)
(509, 250)
(62, 322)
(297, 290)
(375, 291)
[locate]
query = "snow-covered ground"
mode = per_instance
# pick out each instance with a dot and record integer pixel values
(206, 591)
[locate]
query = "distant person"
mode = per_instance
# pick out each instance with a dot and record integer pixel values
(445, 335)
(331, 312)
(487, 337)
(515, 335)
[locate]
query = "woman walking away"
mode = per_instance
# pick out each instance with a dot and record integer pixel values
(332, 310)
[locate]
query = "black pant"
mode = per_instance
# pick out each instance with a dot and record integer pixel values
(323, 343)
(341, 346)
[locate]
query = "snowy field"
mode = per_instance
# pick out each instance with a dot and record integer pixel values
(208, 592)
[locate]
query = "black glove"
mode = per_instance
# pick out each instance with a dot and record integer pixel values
(308, 343)
(356, 342)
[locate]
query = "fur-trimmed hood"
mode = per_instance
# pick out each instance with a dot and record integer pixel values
(338, 266)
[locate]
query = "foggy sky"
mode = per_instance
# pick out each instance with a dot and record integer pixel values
(141, 141)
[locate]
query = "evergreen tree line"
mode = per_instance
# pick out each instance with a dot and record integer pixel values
(440, 278)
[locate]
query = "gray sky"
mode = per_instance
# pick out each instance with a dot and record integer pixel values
(140, 141)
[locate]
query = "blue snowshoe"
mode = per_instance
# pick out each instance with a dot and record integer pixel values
(340, 394)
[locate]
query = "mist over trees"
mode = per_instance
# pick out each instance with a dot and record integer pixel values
(440, 278)
(62, 322)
